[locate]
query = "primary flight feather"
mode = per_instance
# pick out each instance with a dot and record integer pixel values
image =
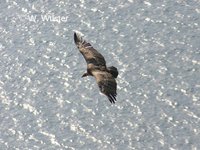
(96, 66)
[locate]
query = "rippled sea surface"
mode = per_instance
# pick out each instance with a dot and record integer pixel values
(44, 102)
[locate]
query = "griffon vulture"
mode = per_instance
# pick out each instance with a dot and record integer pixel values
(96, 66)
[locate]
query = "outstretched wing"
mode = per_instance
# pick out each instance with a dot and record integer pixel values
(107, 84)
(90, 54)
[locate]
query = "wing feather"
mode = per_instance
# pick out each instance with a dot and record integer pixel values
(90, 54)
(107, 84)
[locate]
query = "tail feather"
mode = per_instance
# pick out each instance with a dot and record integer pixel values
(113, 70)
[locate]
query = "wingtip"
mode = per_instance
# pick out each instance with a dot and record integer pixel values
(78, 33)
(112, 98)
(78, 36)
(75, 38)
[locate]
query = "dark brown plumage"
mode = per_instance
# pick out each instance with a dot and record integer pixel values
(96, 66)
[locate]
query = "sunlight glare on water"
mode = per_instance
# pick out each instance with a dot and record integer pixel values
(44, 102)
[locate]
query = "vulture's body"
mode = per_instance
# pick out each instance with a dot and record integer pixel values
(96, 66)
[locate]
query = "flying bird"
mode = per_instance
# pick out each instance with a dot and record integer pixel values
(96, 67)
